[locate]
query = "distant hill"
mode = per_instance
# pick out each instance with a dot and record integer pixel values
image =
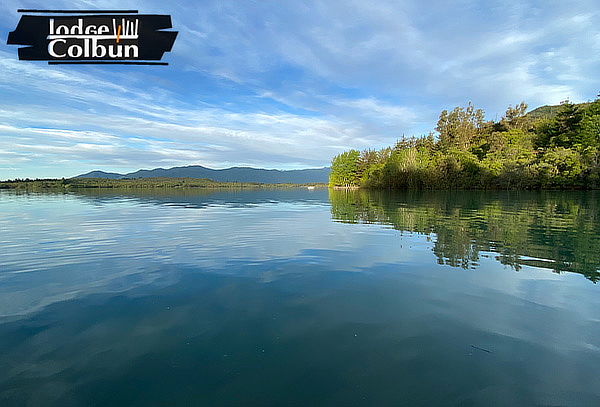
(548, 111)
(234, 174)
(101, 174)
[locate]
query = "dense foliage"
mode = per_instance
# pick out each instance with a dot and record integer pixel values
(556, 147)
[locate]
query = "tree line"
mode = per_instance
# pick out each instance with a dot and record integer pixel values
(550, 147)
(132, 183)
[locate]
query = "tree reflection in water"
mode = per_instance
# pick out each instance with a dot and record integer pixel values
(559, 231)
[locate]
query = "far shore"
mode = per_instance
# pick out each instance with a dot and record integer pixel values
(137, 183)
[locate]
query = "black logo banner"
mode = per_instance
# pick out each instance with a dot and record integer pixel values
(126, 38)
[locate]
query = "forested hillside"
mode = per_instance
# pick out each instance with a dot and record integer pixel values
(551, 147)
(233, 174)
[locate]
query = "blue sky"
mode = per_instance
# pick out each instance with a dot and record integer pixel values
(288, 84)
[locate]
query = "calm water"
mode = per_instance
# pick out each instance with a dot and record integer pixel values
(296, 297)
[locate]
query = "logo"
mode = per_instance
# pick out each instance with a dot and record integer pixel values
(93, 37)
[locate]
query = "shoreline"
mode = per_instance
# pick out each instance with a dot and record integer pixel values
(141, 183)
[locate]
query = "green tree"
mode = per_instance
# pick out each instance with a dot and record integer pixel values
(461, 127)
(345, 169)
(589, 132)
(563, 130)
(515, 117)
(560, 167)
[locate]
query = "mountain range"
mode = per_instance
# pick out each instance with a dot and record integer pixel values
(234, 174)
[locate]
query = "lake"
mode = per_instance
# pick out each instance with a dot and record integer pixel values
(299, 298)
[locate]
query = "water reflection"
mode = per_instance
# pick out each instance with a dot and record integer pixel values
(559, 231)
(203, 197)
(258, 298)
